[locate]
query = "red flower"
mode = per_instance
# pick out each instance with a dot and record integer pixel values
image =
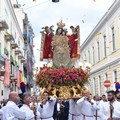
(62, 76)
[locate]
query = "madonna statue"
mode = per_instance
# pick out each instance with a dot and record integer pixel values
(60, 47)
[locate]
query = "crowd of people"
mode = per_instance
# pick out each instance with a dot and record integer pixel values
(26, 107)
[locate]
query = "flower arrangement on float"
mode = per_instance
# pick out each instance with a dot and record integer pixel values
(62, 82)
(61, 76)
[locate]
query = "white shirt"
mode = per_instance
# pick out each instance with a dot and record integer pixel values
(1, 115)
(29, 113)
(12, 112)
(47, 110)
(37, 112)
(105, 109)
(74, 110)
(58, 107)
(87, 109)
(97, 112)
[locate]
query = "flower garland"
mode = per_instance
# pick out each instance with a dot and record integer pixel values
(61, 76)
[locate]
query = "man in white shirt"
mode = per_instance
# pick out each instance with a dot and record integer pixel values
(86, 106)
(104, 99)
(1, 115)
(111, 109)
(74, 110)
(46, 107)
(118, 95)
(26, 99)
(35, 104)
(11, 110)
(96, 105)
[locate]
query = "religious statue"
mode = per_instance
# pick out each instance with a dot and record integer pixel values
(63, 79)
(61, 47)
(47, 36)
(74, 42)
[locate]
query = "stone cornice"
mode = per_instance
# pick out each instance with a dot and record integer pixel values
(14, 18)
(106, 65)
(114, 7)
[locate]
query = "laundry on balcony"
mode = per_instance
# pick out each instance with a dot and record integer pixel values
(2, 61)
(7, 73)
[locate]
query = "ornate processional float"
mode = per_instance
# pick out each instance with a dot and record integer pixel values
(62, 80)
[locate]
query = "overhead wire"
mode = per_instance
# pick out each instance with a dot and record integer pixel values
(27, 8)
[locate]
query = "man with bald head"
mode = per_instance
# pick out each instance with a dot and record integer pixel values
(86, 106)
(11, 110)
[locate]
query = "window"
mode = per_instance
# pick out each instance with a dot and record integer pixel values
(94, 86)
(105, 50)
(12, 67)
(115, 76)
(98, 50)
(93, 60)
(106, 76)
(113, 38)
(84, 57)
(89, 56)
(99, 85)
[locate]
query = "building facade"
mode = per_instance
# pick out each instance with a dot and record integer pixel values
(12, 47)
(102, 50)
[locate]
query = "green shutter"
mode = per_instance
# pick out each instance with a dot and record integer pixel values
(6, 51)
(15, 63)
(11, 58)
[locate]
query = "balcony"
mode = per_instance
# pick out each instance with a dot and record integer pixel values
(13, 78)
(17, 51)
(23, 60)
(20, 56)
(14, 45)
(3, 25)
(8, 36)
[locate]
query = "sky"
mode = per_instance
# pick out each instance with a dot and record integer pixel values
(85, 13)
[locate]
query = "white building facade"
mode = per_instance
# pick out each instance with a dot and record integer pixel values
(12, 46)
(102, 50)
